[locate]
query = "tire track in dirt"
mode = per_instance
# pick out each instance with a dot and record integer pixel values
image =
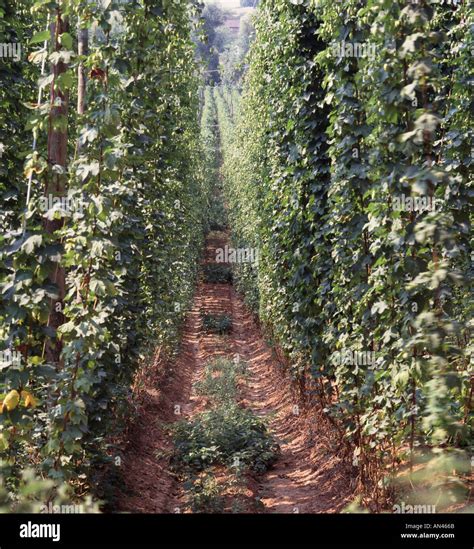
(147, 483)
(308, 477)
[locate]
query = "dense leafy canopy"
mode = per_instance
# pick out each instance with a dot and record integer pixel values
(121, 216)
(369, 300)
(351, 114)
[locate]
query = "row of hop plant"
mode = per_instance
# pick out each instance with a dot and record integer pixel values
(98, 278)
(323, 146)
(215, 212)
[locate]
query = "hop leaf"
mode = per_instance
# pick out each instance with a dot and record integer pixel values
(11, 401)
(3, 442)
(30, 401)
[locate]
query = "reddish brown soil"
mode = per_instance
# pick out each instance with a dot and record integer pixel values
(164, 390)
(308, 477)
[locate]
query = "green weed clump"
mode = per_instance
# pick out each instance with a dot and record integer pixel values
(217, 324)
(215, 449)
(217, 273)
(227, 435)
(221, 379)
(217, 215)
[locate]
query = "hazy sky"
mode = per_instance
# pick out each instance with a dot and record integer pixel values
(229, 4)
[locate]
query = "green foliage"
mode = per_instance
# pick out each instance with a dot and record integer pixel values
(217, 324)
(227, 434)
(238, 190)
(316, 153)
(216, 448)
(217, 215)
(17, 90)
(322, 147)
(205, 494)
(36, 495)
(129, 248)
(438, 479)
(217, 273)
(220, 380)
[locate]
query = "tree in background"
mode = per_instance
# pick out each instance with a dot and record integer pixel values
(233, 58)
(210, 39)
(221, 52)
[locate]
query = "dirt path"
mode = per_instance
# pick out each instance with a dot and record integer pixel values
(164, 390)
(308, 476)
